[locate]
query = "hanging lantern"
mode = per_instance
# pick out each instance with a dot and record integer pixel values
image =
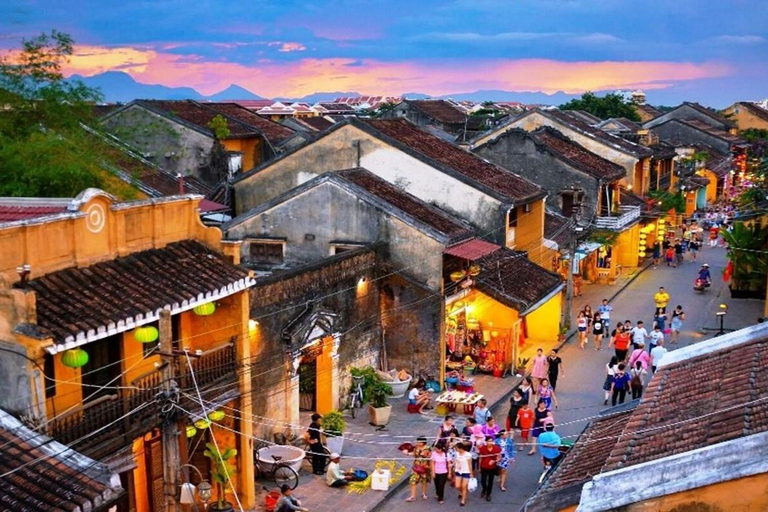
(494, 334)
(643, 236)
(662, 222)
(458, 276)
(206, 309)
(191, 431)
(74, 358)
(146, 334)
(216, 415)
(474, 270)
(202, 424)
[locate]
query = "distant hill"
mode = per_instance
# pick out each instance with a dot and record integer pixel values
(556, 98)
(234, 92)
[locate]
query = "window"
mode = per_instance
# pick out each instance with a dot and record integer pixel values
(50, 373)
(266, 252)
(511, 226)
(340, 248)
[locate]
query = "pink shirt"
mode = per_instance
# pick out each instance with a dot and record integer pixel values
(539, 368)
(441, 462)
(639, 355)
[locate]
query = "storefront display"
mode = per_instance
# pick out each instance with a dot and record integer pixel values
(473, 346)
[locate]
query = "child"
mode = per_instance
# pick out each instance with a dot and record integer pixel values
(524, 422)
(670, 256)
(547, 394)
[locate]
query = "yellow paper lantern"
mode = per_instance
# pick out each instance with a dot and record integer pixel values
(146, 334)
(643, 236)
(191, 431)
(457, 276)
(662, 222)
(202, 424)
(216, 415)
(206, 309)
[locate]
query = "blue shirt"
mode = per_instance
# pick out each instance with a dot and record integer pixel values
(605, 311)
(482, 415)
(551, 439)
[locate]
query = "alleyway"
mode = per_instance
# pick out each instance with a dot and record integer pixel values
(579, 390)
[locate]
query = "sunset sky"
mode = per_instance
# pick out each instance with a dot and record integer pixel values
(710, 51)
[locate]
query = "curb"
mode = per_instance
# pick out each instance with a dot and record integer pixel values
(400, 485)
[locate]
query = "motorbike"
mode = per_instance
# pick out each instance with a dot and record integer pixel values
(700, 285)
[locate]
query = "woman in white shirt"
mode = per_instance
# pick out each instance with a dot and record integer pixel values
(610, 371)
(463, 471)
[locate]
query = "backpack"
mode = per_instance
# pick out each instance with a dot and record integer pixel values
(636, 382)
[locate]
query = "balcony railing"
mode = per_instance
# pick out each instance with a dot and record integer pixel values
(628, 215)
(80, 425)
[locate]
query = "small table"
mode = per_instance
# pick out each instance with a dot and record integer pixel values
(453, 398)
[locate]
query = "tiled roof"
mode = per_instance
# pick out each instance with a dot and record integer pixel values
(649, 110)
(584, 116)
(76, 303)
(755, 109)
(508, 184)
(697, 402)
(102, 110)
(49, 476)
(472, 250)
(710, 113)
(623, 123)
(556, 228)
(596, 133)
(199, 115)
(576, 155)
(253, 104)
(24, 208)
(511, 278)
(338, 108)
(711, 130)
(439, 110)
(317, 123)
(411, 205)
(583, 461)
(276, 108)
(272, 131)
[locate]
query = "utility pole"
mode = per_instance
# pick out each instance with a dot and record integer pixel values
(169, 394)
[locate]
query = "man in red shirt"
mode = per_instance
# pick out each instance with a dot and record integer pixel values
(490, 455)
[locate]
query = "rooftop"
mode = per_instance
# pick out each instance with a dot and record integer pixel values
(649, 110)
(556, 228)
(715, 116)
(25, 208)
(472, 249)
(754, 109)
(585, 116)
(509, 185)
(576, 155)
(439, 110)
(49, 476)
(511, 278)
(411, 205)
(274, 132)
(577, 124)
(707, 128)
(199, 115)
(80, 305)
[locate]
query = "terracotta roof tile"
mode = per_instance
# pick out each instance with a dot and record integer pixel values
(19, 211)
(707, 128)
(598, 134)
(577, 155)
(197, 114)
(555, 228)
(472, 250)
(413, 206)
(508, 184)
(272, 131)
(649, 110)
(511, 278)
(72, 301)
(439, 110)
(709, 113)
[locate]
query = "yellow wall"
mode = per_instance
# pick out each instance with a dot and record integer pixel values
(626, 248)
(690, 203)
(712, 186)
(529, 235)
(544, 322)
(324, 373)
(250, 148)
(492, 315)
(746, 119)
(741, 495)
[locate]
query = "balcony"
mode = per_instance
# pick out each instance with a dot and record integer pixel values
(627, 216)
(214, 367)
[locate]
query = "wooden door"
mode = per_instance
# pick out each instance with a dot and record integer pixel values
(153, 451)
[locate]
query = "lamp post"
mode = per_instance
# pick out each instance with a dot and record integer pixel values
(719, 331)
(204, 489)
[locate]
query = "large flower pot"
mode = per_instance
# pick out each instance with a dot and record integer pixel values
(399, 387)
(334, 443)
(227, 507)
(291, 455)
(379, 415)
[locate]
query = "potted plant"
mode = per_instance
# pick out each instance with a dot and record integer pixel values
(333, 425)
(378, 408)
(221, 472)
(522, 365)
(563, 332)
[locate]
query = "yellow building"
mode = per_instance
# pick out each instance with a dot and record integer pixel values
(85, 294)
(748, 116)
(633, 458)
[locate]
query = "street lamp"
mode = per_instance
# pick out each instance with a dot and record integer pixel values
(204, 489)
(723, 311)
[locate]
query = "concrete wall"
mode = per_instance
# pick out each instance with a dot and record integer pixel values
(745, 119)
(166, 143)
(327, 213)
(535, 120)
(349, 147)
(689, 135)
(515, 151)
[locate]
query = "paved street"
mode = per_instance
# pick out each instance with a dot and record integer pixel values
(579, 390)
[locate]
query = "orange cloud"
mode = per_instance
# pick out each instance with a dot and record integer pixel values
(305, 76)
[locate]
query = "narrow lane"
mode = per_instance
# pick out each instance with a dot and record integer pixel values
(580, 389)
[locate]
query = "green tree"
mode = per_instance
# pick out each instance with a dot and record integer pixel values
(43, 149)
(220, 127)
(605, 107)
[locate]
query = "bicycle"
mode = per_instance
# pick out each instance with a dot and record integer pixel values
(278, 470)
(355, 398)
(324, 450)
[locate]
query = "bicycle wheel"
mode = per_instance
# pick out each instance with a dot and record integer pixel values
(285, 475)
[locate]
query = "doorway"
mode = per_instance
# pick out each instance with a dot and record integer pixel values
(100, 370)
(308, 385)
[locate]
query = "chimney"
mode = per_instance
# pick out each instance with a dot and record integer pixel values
(181, 184)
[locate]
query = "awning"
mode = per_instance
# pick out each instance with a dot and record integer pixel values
(584, 250)
(472, 250)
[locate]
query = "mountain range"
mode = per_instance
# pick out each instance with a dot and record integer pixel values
(120, 87)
